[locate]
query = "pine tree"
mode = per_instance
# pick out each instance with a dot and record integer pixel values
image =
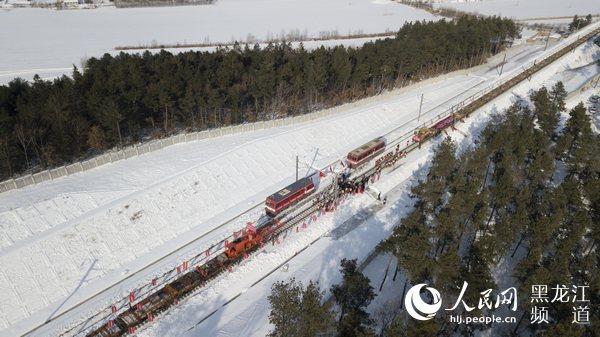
(353, 296)
(558, 96)
(441, 172)
(411, 245)
(412, 328)
(575, 144)
(476, 272)
(547, 109)
(341, 66)
(297, 311)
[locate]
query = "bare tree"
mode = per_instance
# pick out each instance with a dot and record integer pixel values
(24, 139)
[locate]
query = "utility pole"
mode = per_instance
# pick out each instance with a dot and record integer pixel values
(420, 107)
(296, 167)
(547, 39)
(503, 62)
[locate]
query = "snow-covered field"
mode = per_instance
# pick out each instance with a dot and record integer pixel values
(50, 42)
(64, 240)
(247, 314)
(524, 9)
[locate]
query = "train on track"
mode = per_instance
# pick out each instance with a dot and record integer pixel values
(295, 192)
(252, 239)
(366, 152)
(424, 133)
(249, 241)
(288, 196)
(145, 310)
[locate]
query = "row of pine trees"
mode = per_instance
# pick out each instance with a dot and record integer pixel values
(522, 204)
(116, 100)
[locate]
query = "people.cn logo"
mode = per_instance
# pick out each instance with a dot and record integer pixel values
(419, 309)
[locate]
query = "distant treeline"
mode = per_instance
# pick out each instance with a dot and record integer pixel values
(124, 98)
(155, 3)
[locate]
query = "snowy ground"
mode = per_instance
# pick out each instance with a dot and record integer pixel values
(524, 9)
(64, 240)
(50, 42)
(247, 314)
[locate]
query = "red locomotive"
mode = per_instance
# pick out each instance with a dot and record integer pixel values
(242, 245)
(367, 151)
(289, 195)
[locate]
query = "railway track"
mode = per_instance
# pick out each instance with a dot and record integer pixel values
(475, 104)
(297, 215)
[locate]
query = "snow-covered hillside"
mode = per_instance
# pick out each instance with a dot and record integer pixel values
(50, 42)
(524, 9)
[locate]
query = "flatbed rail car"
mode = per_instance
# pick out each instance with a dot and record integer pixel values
(366, 152)
(147, 308)
(424, 133)
(144, 311)
(288, 196)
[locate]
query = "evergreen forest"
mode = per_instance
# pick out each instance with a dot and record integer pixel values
(126, 98)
